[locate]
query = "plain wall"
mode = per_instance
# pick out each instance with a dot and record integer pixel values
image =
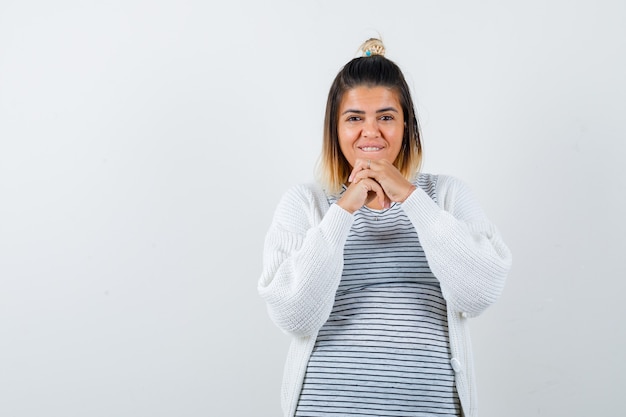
(145, 144)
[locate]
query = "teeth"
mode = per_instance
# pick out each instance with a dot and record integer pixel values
(370, 149)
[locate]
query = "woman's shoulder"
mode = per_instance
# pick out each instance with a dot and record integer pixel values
(305, 195)
(439, 181)
(301, 206)
(309, 191)
(440, 187)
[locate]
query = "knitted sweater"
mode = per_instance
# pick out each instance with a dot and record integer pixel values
(303, 262)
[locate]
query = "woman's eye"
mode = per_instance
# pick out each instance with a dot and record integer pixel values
(354, 118)
(386, 117)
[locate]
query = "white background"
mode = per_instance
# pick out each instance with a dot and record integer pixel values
(145, 144)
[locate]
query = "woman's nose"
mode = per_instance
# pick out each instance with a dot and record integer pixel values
(370, 129)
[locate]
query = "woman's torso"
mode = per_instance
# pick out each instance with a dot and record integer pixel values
(384, 350)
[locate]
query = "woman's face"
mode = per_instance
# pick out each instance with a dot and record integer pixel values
(371, 124)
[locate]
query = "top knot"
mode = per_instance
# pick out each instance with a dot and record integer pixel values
(373, 46)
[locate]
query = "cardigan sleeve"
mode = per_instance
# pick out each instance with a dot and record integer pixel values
(303, 260)
(464, 249)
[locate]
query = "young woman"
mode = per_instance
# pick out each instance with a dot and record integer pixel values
(376, 268)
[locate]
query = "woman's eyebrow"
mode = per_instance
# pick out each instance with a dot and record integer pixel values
(353, 111)
(387, 109)
(377, 111)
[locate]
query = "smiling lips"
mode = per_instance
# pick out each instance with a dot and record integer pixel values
(370, 148)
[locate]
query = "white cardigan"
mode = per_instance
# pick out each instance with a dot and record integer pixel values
(303, 262)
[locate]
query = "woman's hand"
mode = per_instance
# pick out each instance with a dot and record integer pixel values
(362, 193)
(395, 187)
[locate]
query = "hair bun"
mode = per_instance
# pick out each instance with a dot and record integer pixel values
(373, 46)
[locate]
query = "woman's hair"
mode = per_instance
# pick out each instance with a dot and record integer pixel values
(371, 69)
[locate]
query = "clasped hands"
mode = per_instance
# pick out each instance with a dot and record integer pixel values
(375, 183)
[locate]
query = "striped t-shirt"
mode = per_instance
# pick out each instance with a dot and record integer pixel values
(384, 350)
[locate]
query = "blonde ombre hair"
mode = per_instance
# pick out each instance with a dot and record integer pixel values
(370, 70)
